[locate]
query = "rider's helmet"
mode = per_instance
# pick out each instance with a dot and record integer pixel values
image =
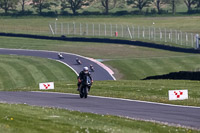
(91, 65)
(77, 59)
(85, 69)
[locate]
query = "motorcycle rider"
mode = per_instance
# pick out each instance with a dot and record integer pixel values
(82, 75)
(91, 67)
(60, 56)
(78, 61)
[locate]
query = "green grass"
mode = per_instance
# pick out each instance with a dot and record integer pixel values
(140, 68)
(39, 25)
(20, 72)
(31, 119)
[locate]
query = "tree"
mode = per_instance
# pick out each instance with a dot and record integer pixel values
(197, 4)
(42, 4)
(8, 4)
(22, 3)
(173, 4)
(189, 4)
(139, 3)
(74, 5)
(108, 5)
(159, 4)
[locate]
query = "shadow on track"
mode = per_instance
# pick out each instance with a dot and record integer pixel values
(104, 40)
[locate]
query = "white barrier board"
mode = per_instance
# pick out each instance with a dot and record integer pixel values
(46, 86)
(178, 94)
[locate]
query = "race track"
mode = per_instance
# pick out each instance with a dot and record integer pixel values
(101, 71)
(178, 115)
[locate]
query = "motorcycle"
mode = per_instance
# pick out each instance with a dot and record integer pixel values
(92, 68)
(78, 61)
(85, 86)
(60, 56)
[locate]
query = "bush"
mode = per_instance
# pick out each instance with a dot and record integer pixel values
(63, 12)
(49, 13)
(91, 13)
(153, 11)
(28, 12)
(119, 13)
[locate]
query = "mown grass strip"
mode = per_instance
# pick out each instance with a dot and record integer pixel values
(29, 119)
(18, 72)
(6, 81)
(134, 69)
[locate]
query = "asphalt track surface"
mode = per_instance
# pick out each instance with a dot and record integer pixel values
(69, 59)
(178, 115)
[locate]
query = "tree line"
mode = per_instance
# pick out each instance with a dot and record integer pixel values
(105, 5)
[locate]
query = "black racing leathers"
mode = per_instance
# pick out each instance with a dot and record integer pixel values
(83, 77)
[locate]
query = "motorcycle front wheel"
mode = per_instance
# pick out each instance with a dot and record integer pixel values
(85, 92)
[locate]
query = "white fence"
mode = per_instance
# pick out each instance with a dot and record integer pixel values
(153, 34)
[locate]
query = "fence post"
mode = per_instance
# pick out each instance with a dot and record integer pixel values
(192, 40)
(61, 28)
(111, 29)
(68, 28)
(186, 38)
(105, 29)
(99, 29)
(154, 33)
(56, 26)
(181, 37)
(80, 28)
(171, 35)
(133, 31)
(74, 28)
(129, 32)
(138, 32)
(197, 41)
(149, 33)
(87, 29)
(165, 35)
(51, 29)
(143, 33)
(93, 29)
(122, 30)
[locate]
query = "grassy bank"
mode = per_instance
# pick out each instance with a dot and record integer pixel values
(29, 119)
(140, 68)
(19, 71)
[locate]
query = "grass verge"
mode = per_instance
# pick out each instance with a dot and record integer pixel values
(30, 119)
(20, 71)
(140, 68)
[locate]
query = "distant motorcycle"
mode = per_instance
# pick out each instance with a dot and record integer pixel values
(78, 61)
(92, 68)
(60, 56)
(85, 86)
